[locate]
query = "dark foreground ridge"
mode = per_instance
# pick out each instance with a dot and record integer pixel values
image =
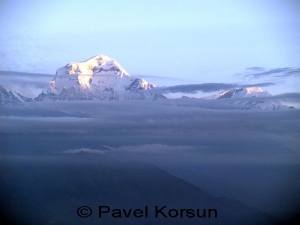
(51, 190)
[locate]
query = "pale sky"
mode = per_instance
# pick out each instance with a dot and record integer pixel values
(167, 42)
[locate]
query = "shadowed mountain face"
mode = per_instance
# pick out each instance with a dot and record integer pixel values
(49, 190)
(8, 97)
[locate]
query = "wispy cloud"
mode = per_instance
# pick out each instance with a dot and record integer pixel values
(84, 150)
(260, 72)
(153, 148)
(290, 97)
(208, 87)
(38, 80)
(154, 77)
(24, 74)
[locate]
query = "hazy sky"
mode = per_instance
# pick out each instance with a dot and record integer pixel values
(188, 41)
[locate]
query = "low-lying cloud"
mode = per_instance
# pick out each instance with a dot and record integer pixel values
(178, 123)
(208, 87)
(84, 150)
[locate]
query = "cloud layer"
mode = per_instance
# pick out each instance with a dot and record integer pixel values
(139, 128)
(208, 87)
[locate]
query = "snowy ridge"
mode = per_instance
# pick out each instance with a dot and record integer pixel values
(244, 92)
(240, 93)
(249, 98)
(100, 77)
(11, 97)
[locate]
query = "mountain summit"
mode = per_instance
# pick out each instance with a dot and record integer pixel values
(99, 77)
(249, 98)
(244, 93)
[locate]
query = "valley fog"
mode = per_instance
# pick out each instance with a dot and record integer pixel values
(248, 156)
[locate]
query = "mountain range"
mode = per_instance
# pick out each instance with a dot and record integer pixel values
(102, 78)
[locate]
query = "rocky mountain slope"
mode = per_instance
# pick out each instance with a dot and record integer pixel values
(10, 97)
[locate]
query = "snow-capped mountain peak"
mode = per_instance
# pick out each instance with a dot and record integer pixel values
(243, 92)
(99, 64)
(99, 77)
(249, 98)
